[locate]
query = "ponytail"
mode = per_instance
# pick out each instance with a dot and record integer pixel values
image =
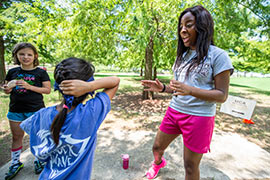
(60, 118)
(71, 68)
(57, 124)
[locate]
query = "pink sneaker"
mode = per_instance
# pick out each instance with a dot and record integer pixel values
(153, 171)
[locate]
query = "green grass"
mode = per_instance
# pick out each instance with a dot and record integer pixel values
(131, 83)
(4, 102)
(262, 84)
(242, 87)
(252, 85)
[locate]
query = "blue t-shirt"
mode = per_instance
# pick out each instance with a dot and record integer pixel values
(73, 157)
(201, 77)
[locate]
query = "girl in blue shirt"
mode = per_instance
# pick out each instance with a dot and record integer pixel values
(64, 136)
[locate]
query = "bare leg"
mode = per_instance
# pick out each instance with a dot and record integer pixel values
(162, 141)
(192, 163)
(17, 134)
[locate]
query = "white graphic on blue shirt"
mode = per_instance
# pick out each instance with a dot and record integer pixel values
(62, 157)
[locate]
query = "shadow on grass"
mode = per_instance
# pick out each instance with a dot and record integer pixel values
(238, 85)
(260, 92)
(250, 89)
(128, 88)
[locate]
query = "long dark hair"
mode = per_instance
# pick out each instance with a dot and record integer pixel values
(23, 45)
(71, 68)
(204, 27)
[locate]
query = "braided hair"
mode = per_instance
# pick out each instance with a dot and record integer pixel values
(205, 36)
(71, 68)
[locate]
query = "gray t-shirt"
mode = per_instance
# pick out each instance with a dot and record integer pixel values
(201, 77)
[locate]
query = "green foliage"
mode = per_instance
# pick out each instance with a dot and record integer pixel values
(243, 29)
(116, 32)
(33, 22)
(255, 57)
(148, 19)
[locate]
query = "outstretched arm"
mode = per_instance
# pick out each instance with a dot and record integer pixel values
(78, 87)
(156, 86)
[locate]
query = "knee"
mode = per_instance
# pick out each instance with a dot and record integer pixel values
(16, 137)
(190, 167)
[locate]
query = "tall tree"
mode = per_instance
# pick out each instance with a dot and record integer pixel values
(243, 29)
(3, 5)
(31, 21)
(150, 36)
(5, 34)
(133, 34)
(2, 60)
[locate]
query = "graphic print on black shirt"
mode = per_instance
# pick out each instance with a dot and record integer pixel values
(29, 78)
(22, 100)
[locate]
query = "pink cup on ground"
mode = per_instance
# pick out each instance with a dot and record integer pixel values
(125, 158)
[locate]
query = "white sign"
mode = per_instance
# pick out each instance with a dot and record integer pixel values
(238, 107)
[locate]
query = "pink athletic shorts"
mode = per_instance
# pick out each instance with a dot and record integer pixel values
(196, 130)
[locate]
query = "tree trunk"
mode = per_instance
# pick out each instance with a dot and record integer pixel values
(141, 72)
(155, 72)
(2, 60)
(148, 68)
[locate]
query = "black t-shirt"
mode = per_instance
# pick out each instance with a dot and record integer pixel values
(22, 100)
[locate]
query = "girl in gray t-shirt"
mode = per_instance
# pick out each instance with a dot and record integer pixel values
(201, 79)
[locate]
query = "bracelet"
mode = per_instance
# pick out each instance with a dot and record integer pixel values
(164, 88)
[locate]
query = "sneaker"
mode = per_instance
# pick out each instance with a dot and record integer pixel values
(13, 170)
(153, 171)
(38, 167)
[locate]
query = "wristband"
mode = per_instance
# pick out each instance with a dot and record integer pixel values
(164, 88)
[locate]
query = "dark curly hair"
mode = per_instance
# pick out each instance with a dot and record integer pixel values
(204, 26)
(71, 68)
(23, 45)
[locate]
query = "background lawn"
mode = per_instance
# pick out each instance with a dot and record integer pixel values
(129, 106)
